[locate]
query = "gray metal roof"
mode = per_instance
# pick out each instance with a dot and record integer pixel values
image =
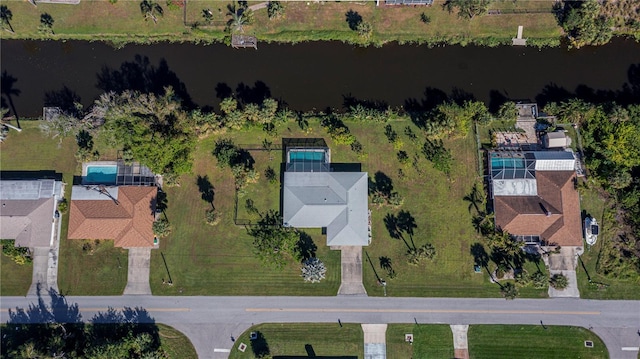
(335, 200)
(26, 211)
(29, 189)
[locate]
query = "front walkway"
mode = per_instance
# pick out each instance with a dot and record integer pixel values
(138, 272)
(351, 260)
(460, 343)
(375, 341)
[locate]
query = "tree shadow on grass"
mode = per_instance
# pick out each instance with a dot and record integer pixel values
(381, 183)
(353, 19)
(259, 345)
(206, 189)
(306, 247)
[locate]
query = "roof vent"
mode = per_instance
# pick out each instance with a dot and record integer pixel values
(548, 213)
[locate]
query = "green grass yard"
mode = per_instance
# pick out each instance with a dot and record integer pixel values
(304, 21)
(14, 279)
(429, 341)
(293, 340)
(175, 343)
(532, 341)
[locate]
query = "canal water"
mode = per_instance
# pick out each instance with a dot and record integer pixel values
(316, 74)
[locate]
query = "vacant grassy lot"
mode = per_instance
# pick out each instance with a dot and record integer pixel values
(429, 341)
(532, 341)
(293, 340)
(79, 272)
(304, 21)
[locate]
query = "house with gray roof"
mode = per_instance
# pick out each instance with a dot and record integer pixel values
(27, 210)
(316, 196)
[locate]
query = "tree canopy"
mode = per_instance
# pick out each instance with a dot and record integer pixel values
(155, 129)
(584, 23)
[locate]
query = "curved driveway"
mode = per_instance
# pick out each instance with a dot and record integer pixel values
(211, 321)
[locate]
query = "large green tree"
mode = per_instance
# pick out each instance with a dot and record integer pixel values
(156, 129)
(584, 23)
(467, 9)
(273, 243)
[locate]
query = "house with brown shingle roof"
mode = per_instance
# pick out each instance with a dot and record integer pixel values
(534, 196)
(122, 213)
(28, 207)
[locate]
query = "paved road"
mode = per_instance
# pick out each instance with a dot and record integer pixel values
(211, 321)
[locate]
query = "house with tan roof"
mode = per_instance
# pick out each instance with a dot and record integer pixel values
(27, 210)
(122, 213)
(535, 197)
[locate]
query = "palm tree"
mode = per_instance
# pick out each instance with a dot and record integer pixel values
(151, 10)
(238, 20)
(5, 17)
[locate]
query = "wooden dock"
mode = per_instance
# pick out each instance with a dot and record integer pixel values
(243, 41)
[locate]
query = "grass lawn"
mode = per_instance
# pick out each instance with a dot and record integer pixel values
(293, 340)
(14, 279)
(79, 273)
(429, 341)
(303, 21)
(175, 343)
(532, 341)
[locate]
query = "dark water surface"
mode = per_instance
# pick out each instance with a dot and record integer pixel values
(314, 75)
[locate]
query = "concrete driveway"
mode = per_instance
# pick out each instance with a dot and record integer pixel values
(564, 263)
(351, 259)
(138, 272)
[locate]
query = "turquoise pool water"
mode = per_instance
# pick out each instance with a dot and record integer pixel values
(101, 174)
(507, 163)
(313, 156)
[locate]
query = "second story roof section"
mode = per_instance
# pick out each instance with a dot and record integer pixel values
(27, 210)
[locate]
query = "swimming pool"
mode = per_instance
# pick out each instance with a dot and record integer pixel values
(306, 156)
(497, 162)
(101, 174)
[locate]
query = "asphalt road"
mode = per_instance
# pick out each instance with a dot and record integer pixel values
(210, 322)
